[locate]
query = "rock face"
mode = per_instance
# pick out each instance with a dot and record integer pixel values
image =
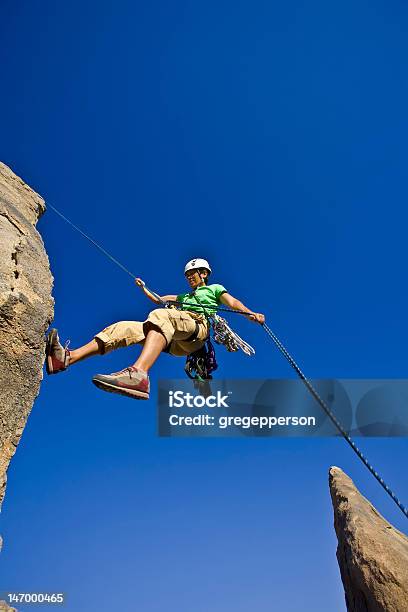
(26, 309)
(6, 608)
(372, 554)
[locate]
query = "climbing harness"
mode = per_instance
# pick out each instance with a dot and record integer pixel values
(200, 364)
(223, 334)
(284, 352)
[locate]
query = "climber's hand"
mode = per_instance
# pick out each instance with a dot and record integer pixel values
(139, 282)
(257, 317)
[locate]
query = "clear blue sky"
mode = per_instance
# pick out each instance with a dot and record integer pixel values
(270, 138)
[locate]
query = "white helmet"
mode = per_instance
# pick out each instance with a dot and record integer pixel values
(195, 264)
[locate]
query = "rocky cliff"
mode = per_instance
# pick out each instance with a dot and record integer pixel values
(5, 608)
(26, 309)
(372, 554)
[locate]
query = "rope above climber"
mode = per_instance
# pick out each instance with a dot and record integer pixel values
(181, 327)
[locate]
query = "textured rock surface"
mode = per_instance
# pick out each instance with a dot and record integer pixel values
(26, 309)
(372, 554)
(6, 608)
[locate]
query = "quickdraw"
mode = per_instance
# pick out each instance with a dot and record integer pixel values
(223, 334)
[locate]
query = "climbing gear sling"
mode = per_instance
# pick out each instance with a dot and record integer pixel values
(223, 334)
(201, 363)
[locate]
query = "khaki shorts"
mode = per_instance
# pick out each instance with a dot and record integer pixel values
(175, 325)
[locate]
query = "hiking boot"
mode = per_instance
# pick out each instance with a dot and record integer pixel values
(57, 356)
(130, 381)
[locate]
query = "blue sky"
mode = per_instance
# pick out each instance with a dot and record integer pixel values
(271, 139)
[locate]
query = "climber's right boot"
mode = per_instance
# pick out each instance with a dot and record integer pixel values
(57, 356)
(131, 381)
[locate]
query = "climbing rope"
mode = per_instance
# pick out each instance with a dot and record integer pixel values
(281, 348)
(98, 246)
(215, 308)
(329, 413)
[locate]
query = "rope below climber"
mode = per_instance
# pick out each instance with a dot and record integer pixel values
(59, 357)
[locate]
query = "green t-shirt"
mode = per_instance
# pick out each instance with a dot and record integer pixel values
(208, 295)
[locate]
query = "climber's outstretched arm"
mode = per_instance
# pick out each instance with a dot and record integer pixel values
(235, 304)
(169, 298)
(151, 296)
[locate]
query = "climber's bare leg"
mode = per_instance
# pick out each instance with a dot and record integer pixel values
(88, 350)
(154, 344)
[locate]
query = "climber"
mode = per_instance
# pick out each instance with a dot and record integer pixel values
(178, 332)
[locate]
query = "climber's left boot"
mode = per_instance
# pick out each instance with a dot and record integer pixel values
(57, 356)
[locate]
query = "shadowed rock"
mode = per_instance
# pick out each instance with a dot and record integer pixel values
(372, 554)
(26, 309)
(6, 608)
